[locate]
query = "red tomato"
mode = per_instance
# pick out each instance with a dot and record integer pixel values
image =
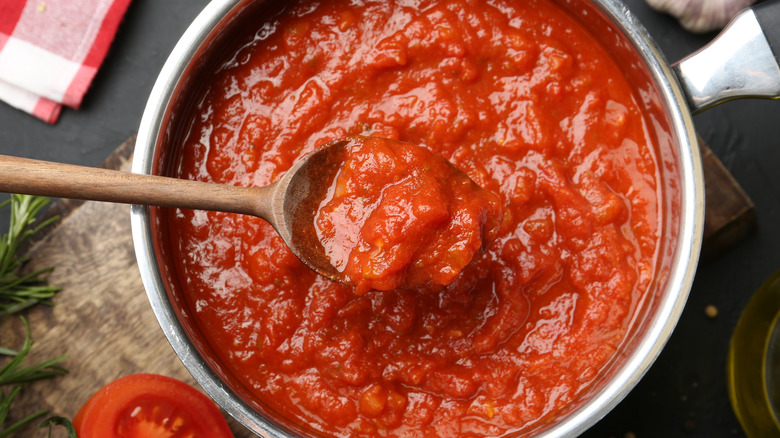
(149, 406)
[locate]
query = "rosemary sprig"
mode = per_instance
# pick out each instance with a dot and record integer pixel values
(59, 421)
(16, 373)
(18, 292)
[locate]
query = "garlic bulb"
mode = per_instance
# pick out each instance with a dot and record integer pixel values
(701, 15)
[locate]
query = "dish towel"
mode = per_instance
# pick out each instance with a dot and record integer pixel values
(50, 51)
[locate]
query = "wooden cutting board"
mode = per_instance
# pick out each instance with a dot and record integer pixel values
(102, 319)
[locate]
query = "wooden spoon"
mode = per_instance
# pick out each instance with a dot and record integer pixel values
(289, 204)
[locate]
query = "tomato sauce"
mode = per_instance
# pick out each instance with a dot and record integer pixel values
(398, 215)
(516, 94)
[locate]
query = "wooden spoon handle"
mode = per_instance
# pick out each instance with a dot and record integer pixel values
(34, 177)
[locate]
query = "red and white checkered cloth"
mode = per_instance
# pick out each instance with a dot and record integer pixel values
(50, 51)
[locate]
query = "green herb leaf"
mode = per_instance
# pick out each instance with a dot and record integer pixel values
(19, 424)
(59, 421)
(15, 373)
(20, 292)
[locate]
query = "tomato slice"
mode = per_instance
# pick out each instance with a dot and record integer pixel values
(150, 406)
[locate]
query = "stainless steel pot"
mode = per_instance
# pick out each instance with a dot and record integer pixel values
(740, 63)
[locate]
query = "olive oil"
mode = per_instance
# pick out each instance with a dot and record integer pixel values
(753, 365)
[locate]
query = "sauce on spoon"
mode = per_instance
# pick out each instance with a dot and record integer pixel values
(398, 215)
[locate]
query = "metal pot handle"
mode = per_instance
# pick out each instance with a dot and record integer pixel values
(743, 61)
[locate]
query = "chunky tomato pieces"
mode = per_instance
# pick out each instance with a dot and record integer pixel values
(400, 216)
(523, 100)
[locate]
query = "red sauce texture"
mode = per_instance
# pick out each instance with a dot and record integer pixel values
(523, 100)
(398, 215)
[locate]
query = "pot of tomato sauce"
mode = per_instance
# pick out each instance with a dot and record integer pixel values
(566, 109)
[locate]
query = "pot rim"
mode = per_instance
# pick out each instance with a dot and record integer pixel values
(660, 326)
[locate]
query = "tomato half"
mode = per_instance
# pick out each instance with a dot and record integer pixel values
(149, 406)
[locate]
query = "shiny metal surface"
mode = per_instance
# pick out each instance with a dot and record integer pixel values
(738, 63)
(143, 223)
(635, 50)
(657, 89)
